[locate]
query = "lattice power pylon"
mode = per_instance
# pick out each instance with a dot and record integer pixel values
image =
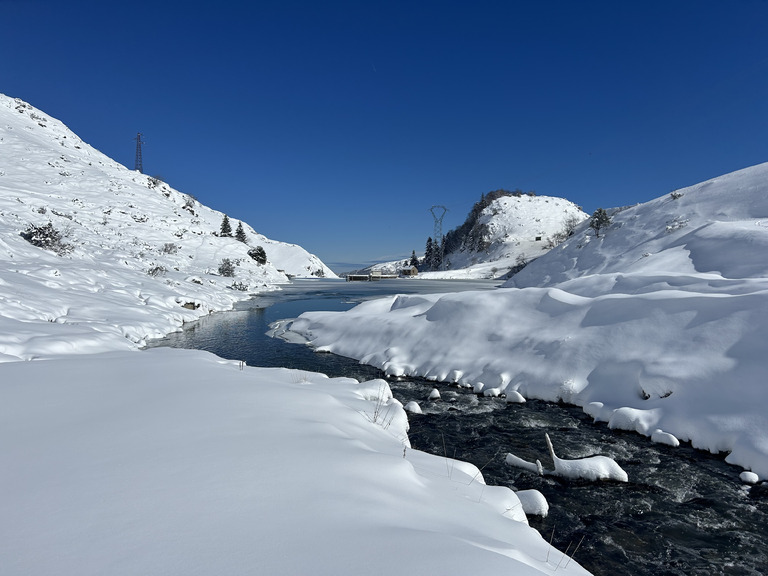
(438, 211)
(139, 162)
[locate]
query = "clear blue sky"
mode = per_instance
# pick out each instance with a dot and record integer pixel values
(337, 125)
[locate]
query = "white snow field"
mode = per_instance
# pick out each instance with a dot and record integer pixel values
(119, 461)
(658, 326)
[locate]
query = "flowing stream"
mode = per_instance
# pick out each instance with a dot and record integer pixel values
(683, 511)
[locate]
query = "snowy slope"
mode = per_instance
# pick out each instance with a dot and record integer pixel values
(135, 251)
(657, 326)
(717, 228)
(516, 229)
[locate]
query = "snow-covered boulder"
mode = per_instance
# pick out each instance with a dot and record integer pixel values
(413, 407)
(534, 503)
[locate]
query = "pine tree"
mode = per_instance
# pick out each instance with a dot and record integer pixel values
(240, 233)
(429, 254)
(600, 219)
(439, 254)
(414, 260)
(226, 228)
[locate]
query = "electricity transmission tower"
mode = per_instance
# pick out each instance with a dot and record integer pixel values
(438, 212)
(139, 164)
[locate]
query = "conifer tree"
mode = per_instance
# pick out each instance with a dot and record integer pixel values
(600, 219)
(240, 233)
(414, 260)
(226, 228)
(429, 254)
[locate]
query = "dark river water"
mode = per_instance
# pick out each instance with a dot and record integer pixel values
(683, 511)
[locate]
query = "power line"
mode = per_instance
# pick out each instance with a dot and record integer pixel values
(139, 163)
(438, 212)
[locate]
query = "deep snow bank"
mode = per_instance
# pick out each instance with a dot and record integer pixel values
(657, 326)
(177, 462)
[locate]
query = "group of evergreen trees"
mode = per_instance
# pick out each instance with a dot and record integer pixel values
(470, 235)
(226, 230)
(258, 253)
(433, 254)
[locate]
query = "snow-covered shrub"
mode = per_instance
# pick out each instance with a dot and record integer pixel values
(156, 271)
(258, 254)
(169, 248)
(676, 195)
(240, 286)
(48, 238)
(676, 224)
(227, 268)
(189, 203)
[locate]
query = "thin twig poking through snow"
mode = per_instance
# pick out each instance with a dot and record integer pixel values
(492, 458)
(552, 537)
(574, 551)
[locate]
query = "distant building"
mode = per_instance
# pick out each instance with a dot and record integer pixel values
(409, 271)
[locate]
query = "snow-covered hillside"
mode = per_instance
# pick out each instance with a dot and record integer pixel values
(658, 326)
(132, 254)
(509, 232)
(513, 230)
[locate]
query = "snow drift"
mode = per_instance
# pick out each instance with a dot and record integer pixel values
(176, 462)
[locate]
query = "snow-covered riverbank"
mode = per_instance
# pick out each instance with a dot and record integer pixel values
(656, 326)
(177, 462)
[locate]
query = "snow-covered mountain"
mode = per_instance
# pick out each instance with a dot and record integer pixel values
(112, 239)
(657, 326)
(513, 230)
(501, 235)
